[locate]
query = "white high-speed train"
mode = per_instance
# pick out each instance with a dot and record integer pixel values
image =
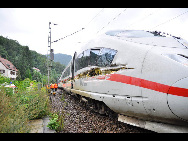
(141, 75)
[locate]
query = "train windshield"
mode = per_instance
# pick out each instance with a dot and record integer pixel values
(133, 33)
(101, 57)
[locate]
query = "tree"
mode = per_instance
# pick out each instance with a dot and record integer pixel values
(37, 76)
(28, 74)
(3, 52)
(24, 60)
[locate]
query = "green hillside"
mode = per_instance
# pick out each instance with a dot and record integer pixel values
(24, 60)
(62, 58)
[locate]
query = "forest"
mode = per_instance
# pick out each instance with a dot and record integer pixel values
(24, 60)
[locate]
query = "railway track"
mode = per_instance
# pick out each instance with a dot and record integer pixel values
(81, 118)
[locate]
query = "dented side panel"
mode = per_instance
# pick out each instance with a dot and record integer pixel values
(118, 96)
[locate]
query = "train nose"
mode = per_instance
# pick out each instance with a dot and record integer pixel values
(178, 98)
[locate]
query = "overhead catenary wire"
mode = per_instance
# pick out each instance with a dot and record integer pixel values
(95, 16)
(112, 20)
(169, 20)
(78, 30)
(142, 19)
(67, 35)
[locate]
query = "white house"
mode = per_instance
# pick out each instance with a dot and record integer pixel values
(7, 69)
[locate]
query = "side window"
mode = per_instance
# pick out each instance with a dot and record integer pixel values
(78, 62)
(83, 60)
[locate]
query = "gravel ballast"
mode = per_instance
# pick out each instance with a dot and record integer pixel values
(80, 119)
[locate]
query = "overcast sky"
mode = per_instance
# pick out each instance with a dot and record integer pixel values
(30, 26)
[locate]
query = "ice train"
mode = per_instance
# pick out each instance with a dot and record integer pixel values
(141, 75)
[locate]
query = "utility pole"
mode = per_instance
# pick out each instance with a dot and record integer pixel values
(51, 52)
(49, 45)
(49, 59)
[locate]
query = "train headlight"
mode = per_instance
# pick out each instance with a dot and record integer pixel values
(180, 58)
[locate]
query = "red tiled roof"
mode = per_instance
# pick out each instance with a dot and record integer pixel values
(8, 64)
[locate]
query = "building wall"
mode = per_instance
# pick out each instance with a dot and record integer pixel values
(8, 73)
(2, 67)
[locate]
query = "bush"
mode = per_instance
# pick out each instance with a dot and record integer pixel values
(53, 124)
(36, 103)
(12, 116)
(17, 109)
(4, 79)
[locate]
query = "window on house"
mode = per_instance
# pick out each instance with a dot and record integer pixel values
(12, 72)
(2, 71)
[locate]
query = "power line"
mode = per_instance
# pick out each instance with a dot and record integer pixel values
(112, 20)
(78, 30)
(68, 35)
(89, 21)
(170, 19)
(140, 20)
(95, 16)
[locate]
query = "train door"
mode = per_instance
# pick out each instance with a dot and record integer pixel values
(73, 69)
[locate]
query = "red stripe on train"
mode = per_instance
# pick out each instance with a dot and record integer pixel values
(149, 85)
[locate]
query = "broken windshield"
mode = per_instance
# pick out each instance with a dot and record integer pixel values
(101, 57)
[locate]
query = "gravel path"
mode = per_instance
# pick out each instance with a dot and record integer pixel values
(79, 119)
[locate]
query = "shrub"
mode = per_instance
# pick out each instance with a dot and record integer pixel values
(12, 116)
(53, 124)
(37, 104)
(17, 109)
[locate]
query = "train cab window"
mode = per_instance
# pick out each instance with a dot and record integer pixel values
(79, 62)
(86, 58)
(101, 57)
(107, 56)
(94, 56)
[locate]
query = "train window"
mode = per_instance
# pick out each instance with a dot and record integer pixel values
(102, 57)
(79, 62)
(86, 58)
(95, 57)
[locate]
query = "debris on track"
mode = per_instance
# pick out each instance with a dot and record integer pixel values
(80, 119)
